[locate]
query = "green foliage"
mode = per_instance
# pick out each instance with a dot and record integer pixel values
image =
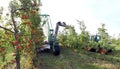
(118, 41)
(104, 37)
(83, 37)
(70, 38)
(1, 12)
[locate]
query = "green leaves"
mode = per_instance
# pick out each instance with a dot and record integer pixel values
(82, 25)
(104, 36)
(70, 38)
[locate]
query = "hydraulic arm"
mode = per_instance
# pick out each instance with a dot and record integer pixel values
(52, 35)
(57, 28)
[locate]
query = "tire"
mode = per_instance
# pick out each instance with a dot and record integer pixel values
(56, 51)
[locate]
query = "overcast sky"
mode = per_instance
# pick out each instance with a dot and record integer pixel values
(93, 12)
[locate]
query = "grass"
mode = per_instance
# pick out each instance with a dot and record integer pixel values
(75, 59)
(70, 59)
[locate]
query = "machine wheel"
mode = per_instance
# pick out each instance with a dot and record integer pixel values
(56, 50)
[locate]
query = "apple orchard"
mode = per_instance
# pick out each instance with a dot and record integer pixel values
(21, 33)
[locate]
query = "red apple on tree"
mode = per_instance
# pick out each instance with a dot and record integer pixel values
(15, 43)
(28, 23)
(19, 47)
(24, 17)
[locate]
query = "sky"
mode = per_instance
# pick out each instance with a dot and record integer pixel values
(92, 12)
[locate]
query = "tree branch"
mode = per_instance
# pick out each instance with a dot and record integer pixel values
(6, 29)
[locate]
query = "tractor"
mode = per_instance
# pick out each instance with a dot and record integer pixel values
(51, 42)
(95, 38)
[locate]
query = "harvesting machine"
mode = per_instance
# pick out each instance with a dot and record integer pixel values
(51, 42)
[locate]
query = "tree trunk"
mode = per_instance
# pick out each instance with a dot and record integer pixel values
(18, 60)
(15, 33)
